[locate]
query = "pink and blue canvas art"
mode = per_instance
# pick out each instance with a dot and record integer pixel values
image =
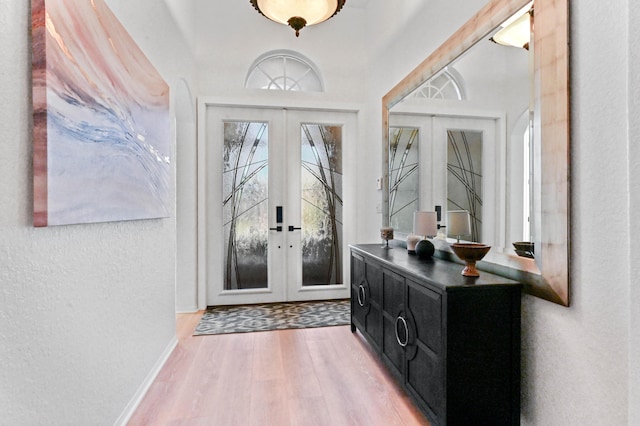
(102, 135)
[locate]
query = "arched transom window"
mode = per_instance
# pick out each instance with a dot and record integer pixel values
(445, 85)
(284, 70)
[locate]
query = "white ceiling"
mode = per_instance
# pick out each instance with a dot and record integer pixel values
(356, 3)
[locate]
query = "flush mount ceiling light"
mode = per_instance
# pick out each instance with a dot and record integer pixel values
(298, 13)
(516, 31)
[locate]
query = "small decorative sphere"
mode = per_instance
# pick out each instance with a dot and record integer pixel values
(425, 249)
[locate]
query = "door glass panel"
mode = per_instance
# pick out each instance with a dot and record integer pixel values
(245, 205)
(403, 177)
(464, 176)
(321, 178)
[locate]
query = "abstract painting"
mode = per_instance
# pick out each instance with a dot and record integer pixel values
(102, 139)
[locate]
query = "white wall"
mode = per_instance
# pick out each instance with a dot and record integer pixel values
(166, 32)
(184, 15)
(577, 360)
(634, 206)
(86, 311)
(187, 213)
(233, 35)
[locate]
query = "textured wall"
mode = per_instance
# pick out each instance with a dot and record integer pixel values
(86, 310)
(576, 360)
(634, 206)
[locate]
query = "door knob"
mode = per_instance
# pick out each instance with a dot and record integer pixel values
(277, 228)
(293, 228)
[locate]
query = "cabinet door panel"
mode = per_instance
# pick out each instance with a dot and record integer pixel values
(425, 364)
(374, 293)
(426, 379)
(359, 308)
(366, 292)
(426, 308)
(391, 350)
(374, 278)
(393, 294)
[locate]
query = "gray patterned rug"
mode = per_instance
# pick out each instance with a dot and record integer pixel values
(273, 316)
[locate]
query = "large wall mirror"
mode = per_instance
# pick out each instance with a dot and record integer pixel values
(484, 127)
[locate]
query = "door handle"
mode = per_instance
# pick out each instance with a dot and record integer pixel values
(362, 295)
(277, 228)
(293, 228)
(401, 320)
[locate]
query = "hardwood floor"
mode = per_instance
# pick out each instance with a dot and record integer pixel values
(314, 376)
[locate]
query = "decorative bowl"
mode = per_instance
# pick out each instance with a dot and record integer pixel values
(524, 248)
(470, 253)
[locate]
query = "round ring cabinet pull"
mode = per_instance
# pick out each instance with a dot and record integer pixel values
(406, 332)
(362, 295)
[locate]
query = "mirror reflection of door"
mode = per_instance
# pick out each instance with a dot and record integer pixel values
(464, 176)
(280, 205)
(459, 167)
(468, 167)
(404, 183)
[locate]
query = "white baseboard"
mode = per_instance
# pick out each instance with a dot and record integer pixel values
(146, 384)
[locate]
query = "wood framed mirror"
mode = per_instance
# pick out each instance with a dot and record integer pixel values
(547, 275)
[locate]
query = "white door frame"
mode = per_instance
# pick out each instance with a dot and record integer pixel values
(348, 192)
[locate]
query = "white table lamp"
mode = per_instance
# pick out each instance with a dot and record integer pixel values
(425, 224)
(458, 223)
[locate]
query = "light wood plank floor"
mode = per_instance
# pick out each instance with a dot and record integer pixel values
(315, 376)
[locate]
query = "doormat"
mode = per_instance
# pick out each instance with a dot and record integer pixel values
(273, 316)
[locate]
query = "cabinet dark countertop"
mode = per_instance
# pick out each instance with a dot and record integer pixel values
(437, 272)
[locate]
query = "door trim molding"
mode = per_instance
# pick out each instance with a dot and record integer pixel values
(287, 101)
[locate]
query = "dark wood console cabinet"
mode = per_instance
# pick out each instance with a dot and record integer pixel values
(452, 342)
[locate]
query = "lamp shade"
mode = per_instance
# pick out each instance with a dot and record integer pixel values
(298, 13)
(458, 223)
(425, 223)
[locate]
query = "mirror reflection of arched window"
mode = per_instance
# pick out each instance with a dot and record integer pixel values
(445, 85)
(284, 70)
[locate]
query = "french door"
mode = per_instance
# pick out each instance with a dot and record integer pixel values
(275, 204)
